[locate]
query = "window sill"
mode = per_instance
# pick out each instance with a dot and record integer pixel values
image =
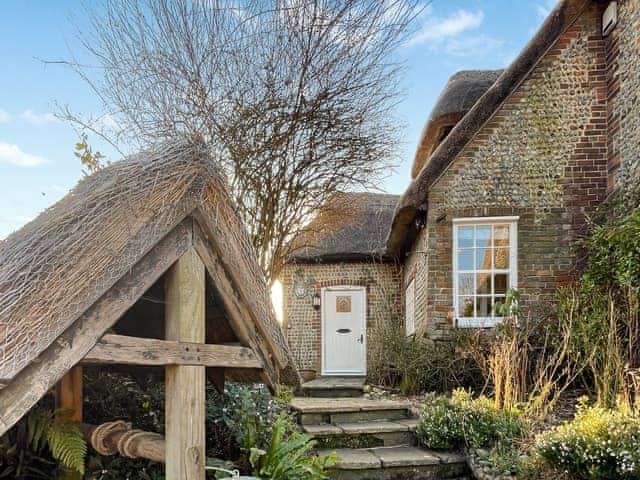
(477, 322)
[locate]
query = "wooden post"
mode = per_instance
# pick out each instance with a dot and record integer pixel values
(185, 384)
(68, 397)
(69, 394)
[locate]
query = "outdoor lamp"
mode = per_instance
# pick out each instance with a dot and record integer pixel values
(315, 301)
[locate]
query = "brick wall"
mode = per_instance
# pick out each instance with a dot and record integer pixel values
(416, 268)
(623, 61)
(302, 322)
(543, 157)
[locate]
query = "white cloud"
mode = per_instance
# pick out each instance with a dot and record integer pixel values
(15, 156)
(5, 117)
(476, 46)
(38, 119)
(436, 29)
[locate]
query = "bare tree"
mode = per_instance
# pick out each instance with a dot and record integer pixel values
(296, 98)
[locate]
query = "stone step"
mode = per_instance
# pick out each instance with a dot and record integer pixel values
(334, 387)
(315, 411)
(395, 463)
(364, 434)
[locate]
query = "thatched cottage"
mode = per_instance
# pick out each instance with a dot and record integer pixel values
(344, 264)
(145, 263)
(510, 166)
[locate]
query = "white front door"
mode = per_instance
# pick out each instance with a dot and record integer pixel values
(344, 331)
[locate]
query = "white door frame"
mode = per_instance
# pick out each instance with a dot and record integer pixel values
(363, 360)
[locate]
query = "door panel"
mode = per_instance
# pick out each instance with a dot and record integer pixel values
(344, 336)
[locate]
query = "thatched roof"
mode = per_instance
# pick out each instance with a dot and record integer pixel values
(356, 229)
(70, 274)
(415, 197)
(458, 96)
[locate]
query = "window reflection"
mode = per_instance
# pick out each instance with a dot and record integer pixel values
(483, 270)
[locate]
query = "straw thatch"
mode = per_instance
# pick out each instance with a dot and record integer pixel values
(58, 266)
(356, 229)
(460, 93)
(414, 199)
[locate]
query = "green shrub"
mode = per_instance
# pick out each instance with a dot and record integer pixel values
(249, 412)
(460, 421)
(238, 419)
(289, 455)
(606, 305)
(417, 364)
(506, 458)
(137, 397)
(598, 444)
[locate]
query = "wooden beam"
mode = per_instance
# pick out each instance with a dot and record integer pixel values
(185, 384)
(35, 380)
(124, 350)
(239, 316)
(240, 287)
(69, 394)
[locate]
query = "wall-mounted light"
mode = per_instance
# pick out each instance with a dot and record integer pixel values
(315, 301)
(441, 217)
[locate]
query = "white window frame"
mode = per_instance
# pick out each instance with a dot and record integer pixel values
(512, 221)
(410, 308)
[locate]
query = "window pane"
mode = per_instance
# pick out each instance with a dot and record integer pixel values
(483, 285)
(484, 306)
(465, 306)
(497, 302)
(501, 258)
(465, 284)
(483, 236)
(501, 235)
(465, 237)
(500, 283)
(483, 259)
(465, 260)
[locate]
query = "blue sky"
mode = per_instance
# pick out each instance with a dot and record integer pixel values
(37, 165)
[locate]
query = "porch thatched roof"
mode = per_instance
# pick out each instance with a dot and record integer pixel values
(71, 257)
(354, 228)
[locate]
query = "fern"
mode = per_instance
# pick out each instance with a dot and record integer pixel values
(38, 422)
(23, 449)
(289, 456)
(67, 444)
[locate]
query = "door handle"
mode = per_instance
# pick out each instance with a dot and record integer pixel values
(361, 339)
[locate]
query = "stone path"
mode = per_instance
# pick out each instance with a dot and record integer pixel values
(375, 438)
(397, 462)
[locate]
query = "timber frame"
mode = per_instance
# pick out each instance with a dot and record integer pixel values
(145, 263)
(215, 323)
(189, 261)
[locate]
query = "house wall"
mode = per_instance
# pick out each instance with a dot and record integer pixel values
(416, 268)
(302, 323)
(542, 156)
(623, 61)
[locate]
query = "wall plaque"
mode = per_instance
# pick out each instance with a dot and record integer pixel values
(343, 304)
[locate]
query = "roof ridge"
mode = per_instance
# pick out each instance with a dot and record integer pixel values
(415, 196)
